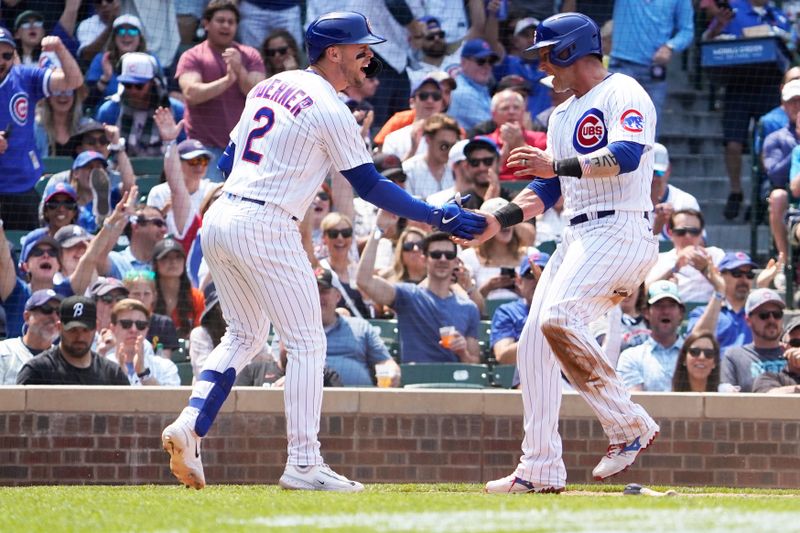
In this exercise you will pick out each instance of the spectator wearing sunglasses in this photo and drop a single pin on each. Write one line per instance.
(60, 207)
(666, 197)
(39, 332)
(698, 366)
(341, 259)
(176, 298)
(132, 110)
(433, 50)
(482, 172)
(426, 100)
(141, 286)
(687, 263)
(29, 32)
(786, 381)
(471, 102)
(726, 312)
(130, 321)
(744, 363)
(147, 227)
(102, 76)
(650, 366)
(508, 113)
(429, 172)
(21, 87)
(425, 307)
(280, 52)
(72, 361)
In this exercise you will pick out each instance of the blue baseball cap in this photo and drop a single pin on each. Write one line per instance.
(84, 158)
(60, 187)
(733, 260)
(34, 239)
(427, 79)
(481, 141)
(7, 37)
(41, 297)
(538, 258)
(477, 48)
(431, 23)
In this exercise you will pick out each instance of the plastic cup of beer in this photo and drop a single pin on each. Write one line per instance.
(447, 334)
(384, 375)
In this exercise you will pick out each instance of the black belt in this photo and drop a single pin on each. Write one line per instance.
(580, 219)
(251, 200)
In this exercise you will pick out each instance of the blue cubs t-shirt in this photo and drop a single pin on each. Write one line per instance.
(420, 314)
(23, 86)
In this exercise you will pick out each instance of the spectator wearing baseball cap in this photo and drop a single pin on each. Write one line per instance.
(742, 364)
(59, 206)
(509, 318)
(426, 100)
(725, 314)
(29, 31)
(132, 110)
(72, 361)
(176, 297)
(457, 162)
(481, 171)
(105, 292)
(39, 332)
(650, 366)
(73, 241)
(787, 380)
(470, 103)
(666, 198)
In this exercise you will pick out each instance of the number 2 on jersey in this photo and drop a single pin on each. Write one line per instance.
(250, 155)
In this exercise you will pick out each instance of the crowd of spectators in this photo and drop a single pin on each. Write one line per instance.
(106, 283)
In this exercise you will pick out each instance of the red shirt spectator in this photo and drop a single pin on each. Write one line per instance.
(508, 109)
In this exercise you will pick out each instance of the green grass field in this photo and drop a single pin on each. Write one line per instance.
(442, 507)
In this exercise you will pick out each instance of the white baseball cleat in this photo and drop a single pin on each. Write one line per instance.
(183, 446)
(620, 456)
(516, 485)
(316, 477)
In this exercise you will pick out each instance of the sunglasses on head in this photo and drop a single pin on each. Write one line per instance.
(334, 233)
(133, 32)
(476, 161)
(481, 61)
(749, 274)
(95, 140)
(111, 298)
(198, 162)
(409, 246)
(322, 195)
(32, 24)
(434, 95)
(681, 232)
(157, 222)
(141, 325)
(137, 86)
(55, 204)
(708, 353)
(271, 52)
(45, 310)
(39, 252)
(7, 56)
(432, 36)
(776, 315)
(438, 254)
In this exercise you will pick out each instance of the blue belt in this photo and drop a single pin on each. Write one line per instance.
(580, 219)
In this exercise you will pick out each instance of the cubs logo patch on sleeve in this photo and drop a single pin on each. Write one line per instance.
(632, 121)
(591, 132)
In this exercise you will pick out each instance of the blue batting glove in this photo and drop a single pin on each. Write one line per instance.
(453, 219)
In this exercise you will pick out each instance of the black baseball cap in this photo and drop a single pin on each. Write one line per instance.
(78, 311)
(324, 277)
(165, 246)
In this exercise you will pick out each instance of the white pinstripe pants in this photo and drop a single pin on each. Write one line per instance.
(263, 276)
(577, 286)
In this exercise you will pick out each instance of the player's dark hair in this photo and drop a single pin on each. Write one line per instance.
(690, 212)
(680, 379)
(221, 5)
(436, 236)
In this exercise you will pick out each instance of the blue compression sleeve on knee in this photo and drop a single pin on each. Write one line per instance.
(628, 155)
(548, 190)
(376, 189)
(210, 406)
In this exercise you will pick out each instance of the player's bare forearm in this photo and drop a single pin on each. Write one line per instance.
(599, 164)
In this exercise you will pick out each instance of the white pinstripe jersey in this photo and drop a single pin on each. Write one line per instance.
(617, 109)
(293, 129)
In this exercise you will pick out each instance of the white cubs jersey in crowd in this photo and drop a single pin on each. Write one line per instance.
(617, 109)
(293, 129)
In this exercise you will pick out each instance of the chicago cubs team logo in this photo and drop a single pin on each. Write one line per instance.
(632, 121)
(18, 108)
(590, 133)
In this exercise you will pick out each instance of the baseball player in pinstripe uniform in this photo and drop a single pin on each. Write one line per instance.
(292, 131)
(598, 146)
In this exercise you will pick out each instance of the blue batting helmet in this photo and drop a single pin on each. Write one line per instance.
(339, 27)
(572, 36)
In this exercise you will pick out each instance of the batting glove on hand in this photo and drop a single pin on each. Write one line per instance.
(453, 219)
